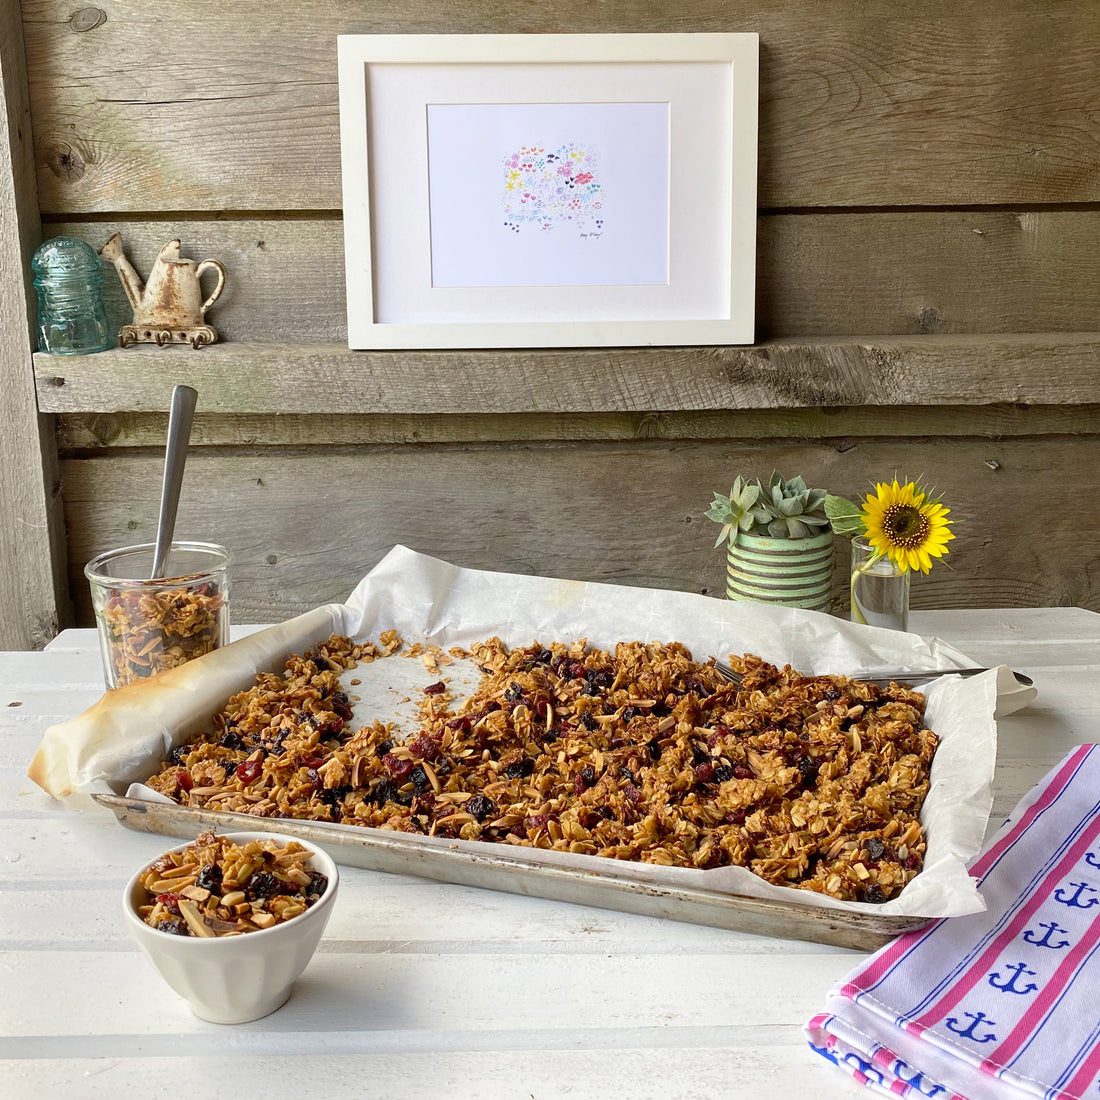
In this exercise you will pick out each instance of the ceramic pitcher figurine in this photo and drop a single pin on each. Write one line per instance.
(169, 308)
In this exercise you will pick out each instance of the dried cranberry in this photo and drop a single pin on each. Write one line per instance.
(723, 773)
(314, 778)
(311, 761)
(384, 749)
(741, 772)
(332, 726)
(437, 688)
(173, 926)
(578, 784)
(632, 792)
(184, 780)
(424, 747)
(577, 670)
(480, 807)
(540, 706)
(248, 770)
(398, 768)
(736, 817)
(171, 902)
(912, 862)
(263, 884)
(654, 747)
(209, 877)
(462, 722)
(875, 848)
(538, 821)
(704, 773)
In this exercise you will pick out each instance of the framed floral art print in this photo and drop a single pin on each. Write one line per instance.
(549, 190)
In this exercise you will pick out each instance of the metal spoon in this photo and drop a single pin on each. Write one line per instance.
(184, 399)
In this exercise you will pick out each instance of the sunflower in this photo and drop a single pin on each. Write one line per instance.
(906, 525)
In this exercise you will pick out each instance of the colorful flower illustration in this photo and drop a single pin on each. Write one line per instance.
(548, 191)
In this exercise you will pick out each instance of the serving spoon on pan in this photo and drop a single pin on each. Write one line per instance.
(180, 418)
(904, 678)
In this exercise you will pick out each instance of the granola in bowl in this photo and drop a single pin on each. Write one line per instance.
(640, 753)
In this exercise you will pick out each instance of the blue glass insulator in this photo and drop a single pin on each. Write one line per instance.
(71, 317)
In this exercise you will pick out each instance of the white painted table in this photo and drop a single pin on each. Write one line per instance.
(421, 989)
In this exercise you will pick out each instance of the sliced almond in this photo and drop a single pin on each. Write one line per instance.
(190, 913)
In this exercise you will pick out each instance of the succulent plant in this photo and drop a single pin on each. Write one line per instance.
(793, 511)
(735, 512)
(783, 510)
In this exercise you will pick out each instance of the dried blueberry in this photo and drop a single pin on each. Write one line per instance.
(481, 807)
(544, 656)
(384, 748)
(832, 695)
(588, 721)
(341, 705)
(173, 926)
(698, 755)
(231, 740)
(808, 768)
(209, 877)
(514, 692)
(607, 813)
(263, 884)
(384, 792)
(654, 747)
(875, 848)
(520, 769)
(419, 779)
(722, 773)
(178, 753)
(318, 884)
(588, 774)
(874, 894)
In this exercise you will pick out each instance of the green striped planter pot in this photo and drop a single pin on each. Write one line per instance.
(794, 572)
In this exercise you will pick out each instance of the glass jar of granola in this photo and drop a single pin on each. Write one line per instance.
(146, 626)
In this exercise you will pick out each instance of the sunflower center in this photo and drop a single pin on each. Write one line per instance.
(904, 525)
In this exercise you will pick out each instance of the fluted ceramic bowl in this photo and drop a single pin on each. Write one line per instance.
(234, 979)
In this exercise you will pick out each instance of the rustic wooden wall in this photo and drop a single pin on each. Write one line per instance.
(927, 303)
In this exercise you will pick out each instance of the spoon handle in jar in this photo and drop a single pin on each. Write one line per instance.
(184, 399)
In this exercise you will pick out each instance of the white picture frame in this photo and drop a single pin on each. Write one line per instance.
(426, 126)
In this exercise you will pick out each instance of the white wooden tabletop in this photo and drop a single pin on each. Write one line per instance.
(421, 989)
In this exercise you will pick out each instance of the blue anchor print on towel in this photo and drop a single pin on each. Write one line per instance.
(917, 1081)
(1074, 900)
(1051, 928)
(1009, 986)
(1092, 861)
(970, 1031)
(868, 1069)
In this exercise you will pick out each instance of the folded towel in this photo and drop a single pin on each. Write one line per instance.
(999, 1004)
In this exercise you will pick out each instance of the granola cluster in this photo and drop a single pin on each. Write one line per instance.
(150, 628)
(814, 782)
(215, 887)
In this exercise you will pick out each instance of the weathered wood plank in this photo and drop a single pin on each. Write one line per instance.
(1038, 369)
(81, 432)
(305, 525)
(32, 548)
(930, 103)
(817, 274)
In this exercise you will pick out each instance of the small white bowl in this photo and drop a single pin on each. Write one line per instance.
(234, 979)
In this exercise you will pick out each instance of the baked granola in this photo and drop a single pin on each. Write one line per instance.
(813, 782)
(150, 628)
(216, 887)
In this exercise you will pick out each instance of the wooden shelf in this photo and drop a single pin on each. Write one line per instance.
(1030, 368)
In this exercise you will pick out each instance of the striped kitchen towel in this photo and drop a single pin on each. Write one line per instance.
(999, 1004)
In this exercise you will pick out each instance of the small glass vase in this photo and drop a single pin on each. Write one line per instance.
(880, 591)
